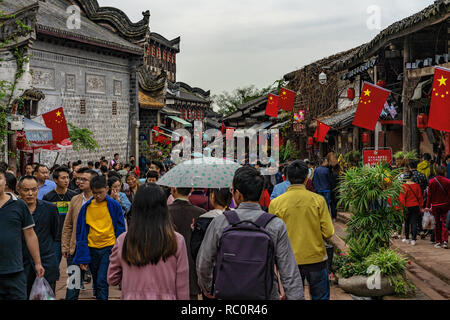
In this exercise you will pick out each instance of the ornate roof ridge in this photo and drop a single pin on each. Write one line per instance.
(149, 82)
(174, 43)
(117, 19)
(193, 89)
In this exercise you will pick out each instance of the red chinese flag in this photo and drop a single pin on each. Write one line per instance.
(222, 128)
(272, 105)
(321, 131)
(287, 98)
(371, 103)
(56, 121)
(439, 117)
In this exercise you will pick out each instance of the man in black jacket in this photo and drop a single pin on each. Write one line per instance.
(45, 216)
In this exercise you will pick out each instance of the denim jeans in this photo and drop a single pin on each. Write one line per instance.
(318, 281)
(72, 294)
(99, 269)
(326, 195)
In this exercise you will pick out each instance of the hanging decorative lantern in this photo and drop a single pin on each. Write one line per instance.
(365, 138)
(350, 93)
(310, 141)
(381, 83)
(422, 121)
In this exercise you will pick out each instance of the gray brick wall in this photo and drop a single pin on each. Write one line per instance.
(94, 75)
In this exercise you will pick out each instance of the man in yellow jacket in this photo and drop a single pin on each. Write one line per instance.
(308, 223)
(425, 166)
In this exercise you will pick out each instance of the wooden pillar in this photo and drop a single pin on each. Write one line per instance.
(406, 139)
(355, 138)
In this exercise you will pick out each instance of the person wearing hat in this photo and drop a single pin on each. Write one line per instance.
(411, 198)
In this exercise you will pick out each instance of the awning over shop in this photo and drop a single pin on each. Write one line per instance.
(338, 120)
(35, 132)
(260, 126)
(279, 125)
(183, 122)
(169, 111)
(147, 102)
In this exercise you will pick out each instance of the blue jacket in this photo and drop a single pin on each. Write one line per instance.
(279, 189)
(82, 253)
(322, 179)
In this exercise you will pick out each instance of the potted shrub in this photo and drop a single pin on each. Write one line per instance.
(371, 195)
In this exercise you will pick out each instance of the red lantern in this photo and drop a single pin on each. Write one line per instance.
(381, 83)
(350, 93)
(310, 141)
(365, 138)
(422, 121)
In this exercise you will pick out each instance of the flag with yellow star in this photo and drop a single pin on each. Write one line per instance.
(371, 103)
(439, 117)
(56, 121)
(287, 99)
(272, 105)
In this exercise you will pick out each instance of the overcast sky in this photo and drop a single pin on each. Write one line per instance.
(226, 44)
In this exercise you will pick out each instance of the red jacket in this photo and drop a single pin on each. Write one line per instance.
(436, 196)
(265, 199)
(411, 195)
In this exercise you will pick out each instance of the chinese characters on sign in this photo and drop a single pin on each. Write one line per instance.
(377, 156)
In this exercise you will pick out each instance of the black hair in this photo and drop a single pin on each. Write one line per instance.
(152, 174)
(427, 156)
(184, 191)
(97, 165)
(3, 171)
(127, 165)
(413, 163)
(79, 162)
(115, 154)
(249, 182)
(111, 181)
(90, 163)
(37, 167)
(11, 181)
(158, 164)
(112, 173)
(297, 172)
(104, 169)
(222, 196)
(87, 170)
(151, 235)
(98, 182)
(58, 171)
(27, 178)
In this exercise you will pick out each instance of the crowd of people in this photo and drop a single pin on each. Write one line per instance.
(120, 228)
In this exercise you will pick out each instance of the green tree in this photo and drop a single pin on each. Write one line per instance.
(227, 102)
(82, 138)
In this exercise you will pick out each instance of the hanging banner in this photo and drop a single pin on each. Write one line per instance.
(372, 157)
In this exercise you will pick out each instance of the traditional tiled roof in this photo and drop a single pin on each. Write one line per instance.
(438, 11)
(52, 17)
(183, 91)
(174, 43)
(337, 119)
(147, 102)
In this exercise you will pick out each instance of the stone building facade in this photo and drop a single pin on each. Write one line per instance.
(90, 71)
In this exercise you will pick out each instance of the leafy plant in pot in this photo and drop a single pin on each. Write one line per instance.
(371, 195)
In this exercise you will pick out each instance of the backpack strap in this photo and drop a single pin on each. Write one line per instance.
(264, 219)
(232, 217)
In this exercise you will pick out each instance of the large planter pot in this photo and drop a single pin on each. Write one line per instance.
(357, 285)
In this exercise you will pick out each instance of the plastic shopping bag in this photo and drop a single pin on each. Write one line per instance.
(41, 290)
(428, 221)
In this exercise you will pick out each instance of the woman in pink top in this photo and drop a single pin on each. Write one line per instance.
(150, 260)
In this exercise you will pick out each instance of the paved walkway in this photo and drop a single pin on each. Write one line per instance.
(429, 267)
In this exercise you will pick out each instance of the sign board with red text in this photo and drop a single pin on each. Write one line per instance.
(372, 156)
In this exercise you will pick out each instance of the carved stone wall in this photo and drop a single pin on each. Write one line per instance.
(67, 76)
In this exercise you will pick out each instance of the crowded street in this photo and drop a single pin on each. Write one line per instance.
(238, 158)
